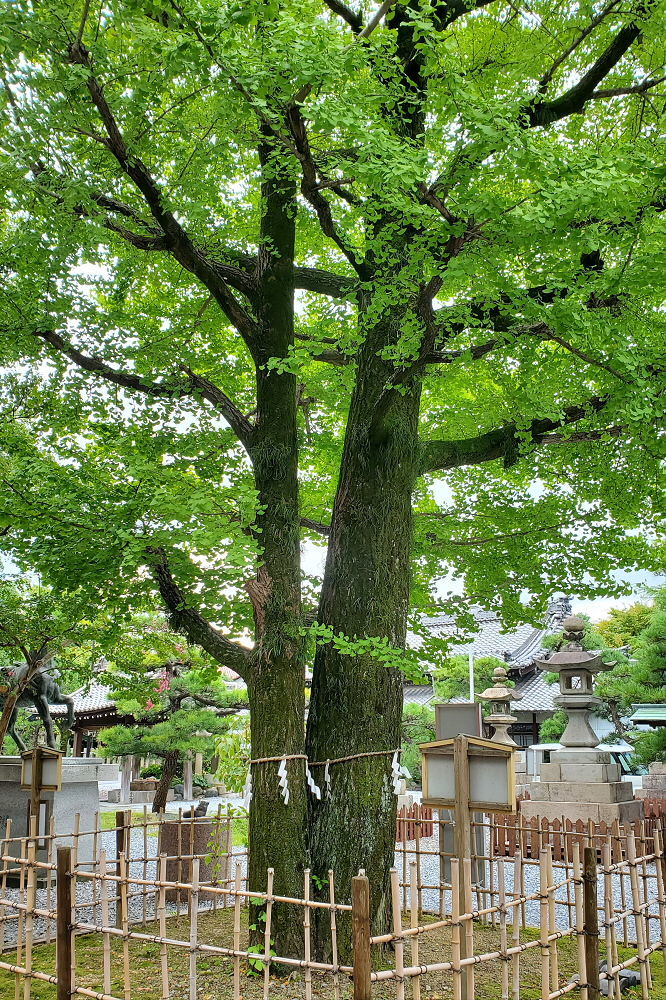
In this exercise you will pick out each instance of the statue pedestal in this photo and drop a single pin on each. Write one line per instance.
(79, 794)
(582, 784)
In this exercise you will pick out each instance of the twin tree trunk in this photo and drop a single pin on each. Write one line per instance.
(356, 702)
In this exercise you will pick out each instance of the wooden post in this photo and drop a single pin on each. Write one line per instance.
(63, 928)
(591, 921)
(123, 833)
(36, 785)
(126, 779)
(462, 834)
(361, 937)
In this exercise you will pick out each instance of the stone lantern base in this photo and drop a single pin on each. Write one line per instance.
(582, 784)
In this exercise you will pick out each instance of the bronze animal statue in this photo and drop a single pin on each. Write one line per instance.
(42, 690)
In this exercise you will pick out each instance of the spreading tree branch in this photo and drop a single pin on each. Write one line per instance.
(502, 442)
(177, 239)
(192, 385)
(186, 619)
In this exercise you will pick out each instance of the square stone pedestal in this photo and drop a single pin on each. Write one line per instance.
(79, 794)
(581, 784)
(654, 783)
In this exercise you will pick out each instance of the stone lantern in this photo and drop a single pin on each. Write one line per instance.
(500, 696)
(580, 781)
(576, 668)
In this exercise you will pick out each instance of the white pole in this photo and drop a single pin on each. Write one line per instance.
(471, 676)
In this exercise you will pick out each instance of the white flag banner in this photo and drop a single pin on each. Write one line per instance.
(314, 788)
(283, 781)
(396, 773)
(247, 791)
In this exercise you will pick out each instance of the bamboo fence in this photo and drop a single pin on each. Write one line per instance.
(569, 906)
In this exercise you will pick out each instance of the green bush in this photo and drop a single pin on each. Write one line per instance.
(418, 726)
(153, 771)
(551, 729)
(650, 747)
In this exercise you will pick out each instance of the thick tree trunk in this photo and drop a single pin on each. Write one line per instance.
(356, 702)
(169, 768)
(276, 686)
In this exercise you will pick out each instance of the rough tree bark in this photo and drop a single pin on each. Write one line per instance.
(356, 703)
(169, 768)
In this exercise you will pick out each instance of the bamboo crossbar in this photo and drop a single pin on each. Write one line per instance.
(550, 891)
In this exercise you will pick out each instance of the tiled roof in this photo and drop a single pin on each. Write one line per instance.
(518, 647)
(649, 713)
(93, 697)
(96, 697)
(537, 694)
(417, 694)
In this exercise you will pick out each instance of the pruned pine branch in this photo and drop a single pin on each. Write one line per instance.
(185, 618)
(502, 442)
(177, 240)
(191, 385)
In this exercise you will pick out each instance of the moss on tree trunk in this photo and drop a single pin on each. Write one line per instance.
(356, 702)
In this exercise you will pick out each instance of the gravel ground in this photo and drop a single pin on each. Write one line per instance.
(140, 907)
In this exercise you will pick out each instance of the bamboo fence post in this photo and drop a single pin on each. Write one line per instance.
(609, 925)
(64, 977)
(552, 923)
(501, 890)
(334, 936)
(144, 888)
(161, 910)
(124, 924)
(405, 823)
(179, 868)
(543, 924)
(121, 849)
(4, 845)
(515, 926)
(307, 954)
(50, 842)
(419, 899)
(398, 940)
(414, 923)
(491, 880)
(94, 890)
(194, 926)
(455, 929)
(440, 851)
(591, 921)
(361, 937)
(106, 937)
(76, 835)
(20, 919)
(580, 920)
(623, 891)
(267, 931)
(644, 878)
(643, 961)
(523, 908)
(660, 869)
(237, 929)
(31, 895)
(469, 926)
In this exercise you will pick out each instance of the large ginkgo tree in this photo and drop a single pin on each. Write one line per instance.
(387, 277)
